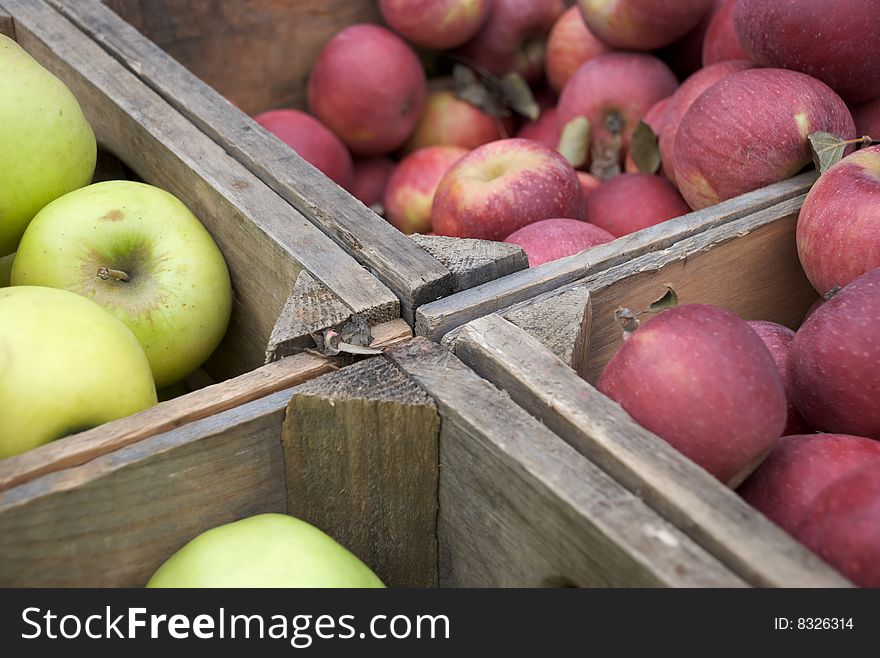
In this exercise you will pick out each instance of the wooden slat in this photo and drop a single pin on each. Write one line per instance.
(360, 452)
(520, 507)
(473, 262)
(598, 428)
(7, 26)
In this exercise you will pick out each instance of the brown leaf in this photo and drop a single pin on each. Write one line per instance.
(644, 149)
(605, 158)
(518, 96)
(574, 142)
(471, 89)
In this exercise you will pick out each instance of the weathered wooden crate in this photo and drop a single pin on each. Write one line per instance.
(548, 352)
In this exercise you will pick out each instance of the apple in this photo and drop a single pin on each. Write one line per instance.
(642, 24)
(370, 179)
(799, 468)
(843, 527)
(614, 92)
(569, 45)
(655, 117)
(313, 141)
(778, 340)
(700, 378)
(589, 184)
(501, 187)
(6, 269)
(450, 121)
(545, 130)
(721, 43)
(410, 190)
(750, 130)
(436, 25)
(683, 98)
(66, 365)
(266, 550)
(513, 39)
(834, 41)
(555, 238)
(630, 202)
(47, 147)
(685, 56)
(140, 253)
(834, 381)
(867, 117)
(369, 88)
(838, 228)
(813, 308)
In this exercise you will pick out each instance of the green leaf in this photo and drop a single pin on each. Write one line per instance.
(574, 142)
(518, 96)
(667, 301)
(827, 150)
(644, 149)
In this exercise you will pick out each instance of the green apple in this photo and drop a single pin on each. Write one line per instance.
(6, 269)
(66, 365)
(140, 253)
(268, 550)
(47, 147)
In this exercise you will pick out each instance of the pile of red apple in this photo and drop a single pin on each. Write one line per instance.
(758, 77)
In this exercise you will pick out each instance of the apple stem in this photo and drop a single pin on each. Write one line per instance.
(106, 273)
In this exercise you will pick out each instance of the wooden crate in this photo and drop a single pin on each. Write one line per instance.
(547, 354)
(280, 264)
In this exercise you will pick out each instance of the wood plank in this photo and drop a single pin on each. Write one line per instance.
(713, 515)
(520, 507)
(410, 272)
(436, 319)
(360, 453)
(203, 403)
(473, 262)
(7, 26)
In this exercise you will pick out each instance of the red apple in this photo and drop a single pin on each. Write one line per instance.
(656, 120)
(721, 43)
(778, 340)
(544, 130)
(614, 92)
(631, 202)
(438, 24)
(589, 184)
(642, 24)
(514, 37)
(450, 121)
(552, 239)
(410, 190)
(838, 228)
(370, 178)
(313, 141)
(832, 40)
(843, 527)
(369, 88)
(685, 56)
(700, 378)
(505, 185)
(750, 130)
(834, 378)
(867, 118)
(683, 98)
(569, 45)
(799, 468)
(813, 308)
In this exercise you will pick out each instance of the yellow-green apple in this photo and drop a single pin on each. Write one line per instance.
(832, 40)
(513, 39)
(555, 238)
(502, 186)
(778, 340)
(843, 526)
(6, 269)
(569, 45)
(867, 117)
(721, 43)
(700, 378)
(614, 92)
(642, 24)
(437, 24)
(630, 202)
(799, 468)
(750, 130)
(66, 365)
(370, 178)
(47, 147)
(683, 98)
(545, 130)
(655, 117)
(369, 88)
(313, 141)
(410, 190)
(267, 550)
(838, 228)
(685, 55)
(834, 379)
(450, 121)
(140, 253)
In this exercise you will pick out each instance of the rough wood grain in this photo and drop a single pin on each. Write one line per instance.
(203, 403)
(435, 319)
(7, 26)
(713, 515)
(520, 507)
(360, 452)
(410, 272)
